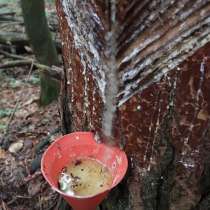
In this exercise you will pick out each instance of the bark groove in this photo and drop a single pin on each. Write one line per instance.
(162, 118)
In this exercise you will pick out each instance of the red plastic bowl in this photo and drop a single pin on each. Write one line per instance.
(82, 145)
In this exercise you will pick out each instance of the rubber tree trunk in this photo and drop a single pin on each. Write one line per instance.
(43, 47)
(161, 60)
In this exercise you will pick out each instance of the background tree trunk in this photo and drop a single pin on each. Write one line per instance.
(38, 32)
(43, 47)
(163, 101)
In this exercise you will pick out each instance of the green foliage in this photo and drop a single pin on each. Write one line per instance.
(5, 112)
(50, 1)
(14, 83)
(34, 80)
(2, 127)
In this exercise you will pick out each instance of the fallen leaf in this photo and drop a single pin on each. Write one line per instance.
(15, 147)
(2, 154)
(34, 187)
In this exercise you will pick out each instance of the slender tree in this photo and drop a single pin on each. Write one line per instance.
(43, 47)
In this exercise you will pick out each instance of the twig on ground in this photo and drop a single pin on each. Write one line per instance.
(4, 206)
(3, 5)
(16, 198)
(15, 63)
(7, 19)
(13, 38)
(54, 71)
(11, 118)
(10, 55)
(33, 176)
(6, 24)
(17, 103)
(20, 39)
(23, 197)
(7, 13)
(11, 201)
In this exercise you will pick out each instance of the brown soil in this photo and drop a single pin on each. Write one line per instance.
(22, 186)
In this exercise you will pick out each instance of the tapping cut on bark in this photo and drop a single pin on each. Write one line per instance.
(160, 46)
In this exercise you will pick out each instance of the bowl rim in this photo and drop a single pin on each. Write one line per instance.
(77, 196)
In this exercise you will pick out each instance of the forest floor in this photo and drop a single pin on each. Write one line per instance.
(24, 126)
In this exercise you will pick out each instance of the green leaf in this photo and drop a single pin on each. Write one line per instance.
(2, 127)
(34, 80)
(5, 112)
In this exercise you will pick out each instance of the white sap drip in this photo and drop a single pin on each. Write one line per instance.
(110, 68)
(102, 68)
(84, 42)
(151, 126)
(186, 148)
(86, 101)
(157, 125)
(71, 82)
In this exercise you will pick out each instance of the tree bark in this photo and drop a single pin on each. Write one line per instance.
(161, 58)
